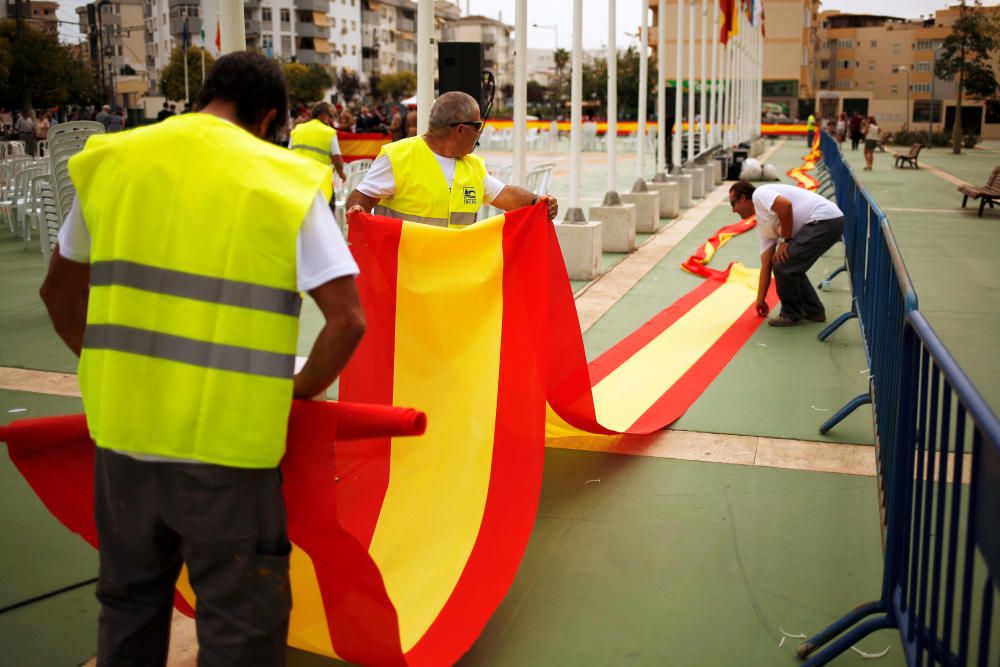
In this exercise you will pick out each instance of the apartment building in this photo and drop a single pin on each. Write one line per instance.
(116, 32)
(345, 34)
(388, 37)
(39, 14)
(789, 44)
(884, 66)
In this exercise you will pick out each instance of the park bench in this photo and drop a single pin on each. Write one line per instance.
(910, 158)
(987, 194)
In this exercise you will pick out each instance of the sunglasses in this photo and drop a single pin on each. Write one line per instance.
(471, 123)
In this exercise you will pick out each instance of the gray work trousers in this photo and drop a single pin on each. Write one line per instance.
(226, 524)
(798, 298)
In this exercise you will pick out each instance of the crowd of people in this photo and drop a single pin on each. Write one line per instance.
(860, 128)
(395, 120)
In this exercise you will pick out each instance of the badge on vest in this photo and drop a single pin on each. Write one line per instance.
(470, 195)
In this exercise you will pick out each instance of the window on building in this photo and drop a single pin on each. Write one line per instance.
(871, 64)
(286, 43)
(922, 109)
(333, 21)
(845, 43)
(354, 50)
(265, 14)
(826, 44)
(844, 64)
(267, 41)
(921, 87)
(874, 44)
(894, 89)
(895, 69)
(354, 25)
(923, 45)
(824, 64)
(923, 66)
(286, 15)
(844, 84)
(895, 48)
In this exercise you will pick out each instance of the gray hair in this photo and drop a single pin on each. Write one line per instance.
(452, 107)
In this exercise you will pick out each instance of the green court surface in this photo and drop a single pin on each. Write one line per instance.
(661, 562)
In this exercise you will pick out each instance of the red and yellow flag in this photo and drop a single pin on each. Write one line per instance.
(404, 547)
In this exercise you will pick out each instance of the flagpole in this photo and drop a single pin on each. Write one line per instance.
(184, 48)
(662, 129)
(640, 146)
(690, 83)
(702, 134)
(675, 148)
(713, 96)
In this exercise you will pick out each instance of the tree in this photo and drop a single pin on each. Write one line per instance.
(36, 70)
(172, 76)
(560, 59)
(397, 86)
(536, 92)
(306, 83)
(628, 84)
(348, 83)
(966, 53)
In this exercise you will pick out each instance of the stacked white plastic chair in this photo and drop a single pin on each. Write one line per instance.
(65, 141)
(538, 179)
(355, 172)
(501, 172)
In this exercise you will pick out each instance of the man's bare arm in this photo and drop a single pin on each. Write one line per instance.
(65, 292)
(764, 282)
(338, 165)
(340, 335)
(359, 202)
(513, 197)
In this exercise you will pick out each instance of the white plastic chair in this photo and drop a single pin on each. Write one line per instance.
(41, 148)
(590, 140)
(66, 140)
(537, 180)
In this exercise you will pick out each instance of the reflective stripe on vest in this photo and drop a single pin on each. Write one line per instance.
(421, 191)
(312, 140)
(193, 286)
(192, 321)
(188, 350)
(458, 219)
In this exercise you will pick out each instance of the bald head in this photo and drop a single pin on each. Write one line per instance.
(452, 107)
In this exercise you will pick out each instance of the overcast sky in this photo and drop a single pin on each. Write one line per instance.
(595, 17)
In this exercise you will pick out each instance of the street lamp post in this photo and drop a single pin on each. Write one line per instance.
(930, 111)
(906, 111)
(555, 29)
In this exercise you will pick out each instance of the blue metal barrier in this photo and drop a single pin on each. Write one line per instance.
(881, 290)
(938, 464)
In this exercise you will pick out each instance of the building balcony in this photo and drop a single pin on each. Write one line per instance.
(406, 25)
(489, 37)
(177, 27)
(251, 4)
(312, 30)
(368, 40)
(313, 5)
(252, 27)
(369, 18)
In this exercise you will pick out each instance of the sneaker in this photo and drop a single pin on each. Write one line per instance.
(818, 317)
(782, 321)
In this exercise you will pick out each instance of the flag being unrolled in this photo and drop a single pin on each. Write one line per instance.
(404, 548)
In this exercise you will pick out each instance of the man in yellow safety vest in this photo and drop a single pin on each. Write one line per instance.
(317, 139)
(177, 281)
(435, 178)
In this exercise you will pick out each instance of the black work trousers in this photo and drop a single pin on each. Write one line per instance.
(226, 524)
(798, 298)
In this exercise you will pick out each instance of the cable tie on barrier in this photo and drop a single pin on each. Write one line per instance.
(870, 656)
(819, 409)
(591, 481)
(782, 642)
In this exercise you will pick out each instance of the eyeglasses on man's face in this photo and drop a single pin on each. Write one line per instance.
(471, 123)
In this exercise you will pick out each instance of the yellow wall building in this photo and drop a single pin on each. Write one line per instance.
(884, 66)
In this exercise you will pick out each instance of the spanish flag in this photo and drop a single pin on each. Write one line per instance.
(403, 547)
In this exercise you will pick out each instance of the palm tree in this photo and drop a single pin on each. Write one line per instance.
(561, 60)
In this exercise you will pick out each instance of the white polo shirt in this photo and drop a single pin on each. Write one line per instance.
(807, 207)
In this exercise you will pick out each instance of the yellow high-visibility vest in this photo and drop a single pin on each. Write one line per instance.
(312, 140)
(422, 194)
(192, 319)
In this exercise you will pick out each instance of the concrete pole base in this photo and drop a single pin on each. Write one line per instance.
(647, 209)
(618, 229)
(670, 197)
(684, 185)
(697, 181)
(581, 248)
